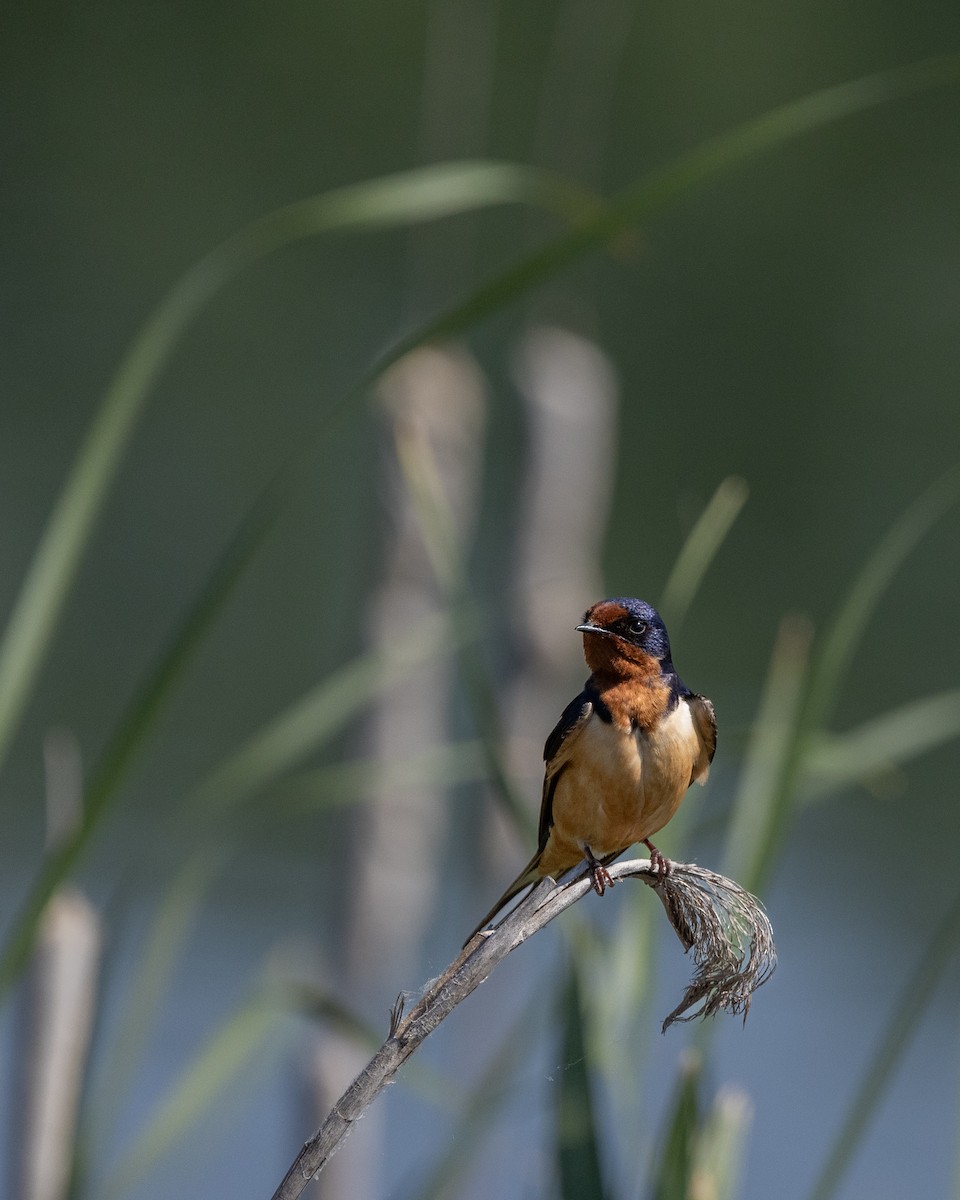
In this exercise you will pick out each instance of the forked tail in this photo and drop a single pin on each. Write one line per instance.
(529, 874)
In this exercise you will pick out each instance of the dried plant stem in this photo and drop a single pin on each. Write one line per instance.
(725, 926)
(59, 1010)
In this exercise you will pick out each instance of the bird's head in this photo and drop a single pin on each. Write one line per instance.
(625, 629)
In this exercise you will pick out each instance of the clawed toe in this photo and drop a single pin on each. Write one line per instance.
(602, 879)
(662, 866)
(599, 875)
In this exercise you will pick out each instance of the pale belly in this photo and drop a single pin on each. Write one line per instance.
(619, 787)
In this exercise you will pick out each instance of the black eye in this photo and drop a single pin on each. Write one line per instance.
(638, 628)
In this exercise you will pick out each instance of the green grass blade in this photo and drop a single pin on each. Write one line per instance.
(836, 761)
(720, 1146)
(195, 1092)
(161, 949)
(617, 1015)
(616, 1010)
(295, 733)
(485, 710)
(435, 516)
(760, 806)
(48, 580)
(313, 1002)
(317, 716)
(350, 782)
(438, 531)
(889, 1050)
(578, 1143)
(44, 590)
(303, 728)
(637, 203)
(627, 960)
(843, 636)
(414, 196)
(138, 719)
(700, 549)
(673, 1172)
(408, 198)
(763, 829)
(656, 192)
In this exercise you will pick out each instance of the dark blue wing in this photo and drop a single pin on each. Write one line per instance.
(572, 716)
(572, 720)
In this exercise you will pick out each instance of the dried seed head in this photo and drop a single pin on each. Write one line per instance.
(730, 935)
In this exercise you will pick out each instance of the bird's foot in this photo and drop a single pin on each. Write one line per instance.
(662, 866)
(600, 876)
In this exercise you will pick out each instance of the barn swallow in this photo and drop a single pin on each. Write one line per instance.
(622, 754)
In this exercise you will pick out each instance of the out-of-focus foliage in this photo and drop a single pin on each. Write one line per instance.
(768, 253)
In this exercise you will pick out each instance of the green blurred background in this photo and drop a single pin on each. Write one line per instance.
(793, 322)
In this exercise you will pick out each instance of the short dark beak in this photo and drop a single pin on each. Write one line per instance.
(593, 629)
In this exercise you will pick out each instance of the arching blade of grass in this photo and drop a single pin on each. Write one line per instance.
(760, 804)
(298, 731)
(700, 549)
(136, 722)
(162, 946)
(654, 193)
(268, 754)
(702, 1150)
(844, 633)
(415, 196)
(302, 728)
(577, 1139)
(837, 647)
(49, 578)
(443, 766)
(616, 972)
(315, 717)
(487, 717)
(195, 1092)
(409, 198)
(615, 1013)
(782, 753)
(836, 761)
(785, 748)
(313, 1002)
(672, 1175)
(889, 1050)
(720, 1146)
(438, 531)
